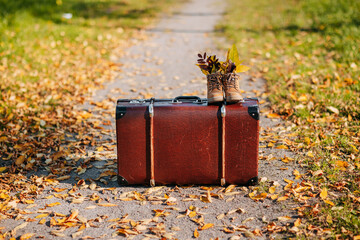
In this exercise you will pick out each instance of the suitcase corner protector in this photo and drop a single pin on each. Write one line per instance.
(121, 180)
(120, 112)
(254, 112)
(253, 181)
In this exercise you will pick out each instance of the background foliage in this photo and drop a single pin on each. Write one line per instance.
(309, 53)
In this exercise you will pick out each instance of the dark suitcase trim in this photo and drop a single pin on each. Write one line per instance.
(252, 182)
(120, 112)
(121, 180)
(254, 112)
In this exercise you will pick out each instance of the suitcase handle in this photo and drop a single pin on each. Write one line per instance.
(188, 99)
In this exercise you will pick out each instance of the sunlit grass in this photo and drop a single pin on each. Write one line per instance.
(309, 53)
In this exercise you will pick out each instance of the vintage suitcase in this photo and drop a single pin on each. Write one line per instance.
(186, 141)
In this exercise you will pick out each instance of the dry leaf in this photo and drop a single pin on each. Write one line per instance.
(230, 188)
(27, 236)
(76, 234)
(237, 237)
(53, 204)
(284, 218)
(13, 232)
(91, 207)
(333, 109)
(206, 226)
(107, 204)
(57, 233)
(196, 233)
(42, 221)
(323, 193)
(73, 215)
(283, 198)
(273, 115)
(329, 202)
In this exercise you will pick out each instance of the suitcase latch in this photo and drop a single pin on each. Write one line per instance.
(223, 111)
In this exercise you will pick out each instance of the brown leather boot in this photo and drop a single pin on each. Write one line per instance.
(231, 86)
(215, 89)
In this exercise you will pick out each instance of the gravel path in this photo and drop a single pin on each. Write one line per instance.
(162, 65)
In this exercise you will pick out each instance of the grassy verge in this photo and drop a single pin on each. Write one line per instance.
(52, 53)
(309, 53)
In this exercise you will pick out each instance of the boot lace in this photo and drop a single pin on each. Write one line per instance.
(214, 83)
(231, 81)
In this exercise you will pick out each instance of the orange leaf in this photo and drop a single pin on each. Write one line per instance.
(273, 115)
(27, 236)
(59, 189)
(206, 226)
(42, 221)
(329, 202)
(283, 198)
(196, 233)
(297, 222)
(192, 214)
(20, 160)
(260, 196)
(53, 204)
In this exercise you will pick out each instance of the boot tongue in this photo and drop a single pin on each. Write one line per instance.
(214, 83)
(231, 81)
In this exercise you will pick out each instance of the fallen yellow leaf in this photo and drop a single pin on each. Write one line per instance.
(230, 188)
(53, 204)
(192, 214)
(297, 222)
(357, 237)
(196, 233)
(272, 189)
(329, 202)
(323, 193)
(206, 226)
(257, 197)
(27, 236)
(310, 154)
(42, 215)
(59, 189)
(283, 198)
(42, 221)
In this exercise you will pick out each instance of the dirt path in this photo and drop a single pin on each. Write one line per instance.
(162, 65)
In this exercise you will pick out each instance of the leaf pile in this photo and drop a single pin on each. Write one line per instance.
(176, 204)
(49, 69)
(308, 53)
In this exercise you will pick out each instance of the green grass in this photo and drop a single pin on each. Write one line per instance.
(309, 53)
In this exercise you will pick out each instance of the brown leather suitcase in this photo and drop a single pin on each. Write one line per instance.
(186, 141)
